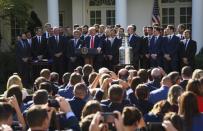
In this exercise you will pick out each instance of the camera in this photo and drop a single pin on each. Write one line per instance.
(53, 103)
(109, 117)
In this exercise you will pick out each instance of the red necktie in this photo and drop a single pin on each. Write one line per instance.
(92, 42)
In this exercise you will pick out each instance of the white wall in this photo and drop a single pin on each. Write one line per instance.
(66, 7)
(78, 12)
(139, 13)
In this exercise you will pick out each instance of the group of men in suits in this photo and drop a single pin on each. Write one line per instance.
(153, 49)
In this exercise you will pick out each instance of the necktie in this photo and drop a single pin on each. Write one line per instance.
(57, 39)
(75, 42)
(92, 42)
(155, 40)
(186, 43)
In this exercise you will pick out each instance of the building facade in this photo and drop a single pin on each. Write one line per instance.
(124, 12)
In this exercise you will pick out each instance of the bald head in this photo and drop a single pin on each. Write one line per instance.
(155, 73)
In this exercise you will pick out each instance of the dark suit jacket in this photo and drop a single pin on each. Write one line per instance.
(171, 46)
(155, 45)
(97, 42)
(113, 49)
(144, 49)
(189, 51)
(54, 47)
(39, 48)
(22, 50)
(70, 47)
(135, 43)
(77, 105)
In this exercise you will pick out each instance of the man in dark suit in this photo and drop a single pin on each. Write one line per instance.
(134, 42)
(39, 46)
(56, 50)
(155, 48)
(144, 50)
(181, 28)
(47, 27)
(111, 49)
(93, 41)
(170, 50)
(189, 48)
(74, 60)
(22, 58)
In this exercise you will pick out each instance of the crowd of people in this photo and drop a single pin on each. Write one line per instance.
(87, 100)
(157, 47)
(160, 91)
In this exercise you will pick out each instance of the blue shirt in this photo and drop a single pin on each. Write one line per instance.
(67, 92)
(158, 94)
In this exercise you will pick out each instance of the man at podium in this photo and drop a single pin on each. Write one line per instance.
(92, 42)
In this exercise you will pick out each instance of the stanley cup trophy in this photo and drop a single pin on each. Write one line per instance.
(125, 52)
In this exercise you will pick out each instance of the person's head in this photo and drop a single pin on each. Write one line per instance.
(166, 32)
(14, 79)
(40, 97)
(54, 77)
(103, 70)
(56, 31)
(175, 119)
(130, 30)
(175, 77)
(181, 28)
(101, 28)
(85, 29)
(171, 29)
(91, 107)
(46, 86)
(129, 67)
(75, 78)
(87, 70)
(80, 90)
(66, 78)
(135, 82)
(107, 32)
(123, 74)
(28, 35)
(113, 32)
(161, 108)
(78, 70)
(197, 74)
(150, 30)
(92, 31)
(76, 34)
(38, 81)
(61, 30)
(188, 107)
(103, 77)
(15, 90)
(47, 26)
(45, 73)
(144, 29)
(39, 31)
(142, 92)
(23, 36)
(96, 28)
(86, 121)
(194, 86)
(115, 93)
(186, 72)
(143, 74)
(131, 116)
(91, 78)
(174, 92)
(34, 121)
(187, 34)
(166, 81)
(6, 113)
(69, 31)
(157, 31)
(75, 26)
(156, 74)
(121, 31)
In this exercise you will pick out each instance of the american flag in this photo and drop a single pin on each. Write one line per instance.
(155, 13)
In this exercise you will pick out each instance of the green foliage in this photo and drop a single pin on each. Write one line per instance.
(14, 8)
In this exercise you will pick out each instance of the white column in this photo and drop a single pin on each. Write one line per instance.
(78, 11)
(197, 23)
(53, 12)
(121, 13)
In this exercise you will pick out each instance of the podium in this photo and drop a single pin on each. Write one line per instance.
(87, 53)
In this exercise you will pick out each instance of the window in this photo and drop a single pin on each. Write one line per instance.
(101, 2)
(16, 28)
(168, 16)
(95, 17)
(173, 1)
(186, 16)
(110, 17)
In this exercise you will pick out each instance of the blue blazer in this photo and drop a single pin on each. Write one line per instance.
(135, 43)
(96, 41)
(155, 45)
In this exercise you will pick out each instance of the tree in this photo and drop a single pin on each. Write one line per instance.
(18, 9)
